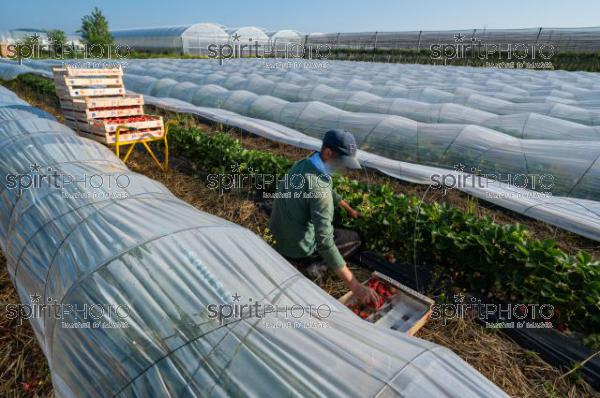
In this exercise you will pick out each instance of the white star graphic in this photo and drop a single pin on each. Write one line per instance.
(459, 167)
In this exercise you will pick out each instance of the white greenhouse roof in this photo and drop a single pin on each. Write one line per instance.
(285, 34)
(176, 30)
(11, 36)
(247, 32)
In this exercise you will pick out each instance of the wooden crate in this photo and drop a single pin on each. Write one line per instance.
(76, 110)
(78, 72)
(71, 82)
(102, 107)
(101, 113)
(89, 103)
(95, 104)
(104, 130)
(407, 310)
(73, 92)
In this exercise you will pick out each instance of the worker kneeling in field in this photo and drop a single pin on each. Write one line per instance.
(302, 215)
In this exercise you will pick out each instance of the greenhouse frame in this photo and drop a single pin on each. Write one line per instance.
(193, 39)
(183, 39)
(562, 39)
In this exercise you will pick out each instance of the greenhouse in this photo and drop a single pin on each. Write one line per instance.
(286, 36)
(15, 35)
(158, 262)
(183, 39)
(561, 39)
(249, 34)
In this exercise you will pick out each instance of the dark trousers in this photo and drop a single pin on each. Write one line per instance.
(346, 241)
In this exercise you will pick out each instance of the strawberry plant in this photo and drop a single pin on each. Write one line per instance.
(474, 253)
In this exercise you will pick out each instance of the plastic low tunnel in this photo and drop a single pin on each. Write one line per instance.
(160, 263)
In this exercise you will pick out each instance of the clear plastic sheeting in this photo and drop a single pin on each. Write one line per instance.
(186, 39)
(577, 215)
(137, 248)
(249, 40)
(286, 36)
(19, 35)
(400, 147)
(520, 123)
(563, 39)
(574, 165)
(10, 70)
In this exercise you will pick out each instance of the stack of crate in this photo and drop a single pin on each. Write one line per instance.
(95, 104)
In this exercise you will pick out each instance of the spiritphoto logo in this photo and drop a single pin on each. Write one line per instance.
(242, 177)
(529, 184)
(34, 49)
(257, 49)
(274, 316)
(71, 316)
(40, 177)
(496, 315)
(510, 54)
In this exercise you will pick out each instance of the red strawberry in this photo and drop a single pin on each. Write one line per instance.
(28, 387)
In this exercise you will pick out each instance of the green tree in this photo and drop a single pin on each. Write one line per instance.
(57, 39)
(94, 30)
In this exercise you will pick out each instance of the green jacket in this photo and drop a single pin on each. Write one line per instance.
(302, 215)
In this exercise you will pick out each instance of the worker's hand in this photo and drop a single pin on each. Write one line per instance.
(364, 294)
(345, 205)
(353, 213)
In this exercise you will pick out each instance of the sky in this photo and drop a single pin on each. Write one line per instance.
(307, 16)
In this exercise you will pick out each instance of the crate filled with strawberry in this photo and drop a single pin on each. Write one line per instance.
(130, 128)
(398, 307)
(139, 122)
(372, 311)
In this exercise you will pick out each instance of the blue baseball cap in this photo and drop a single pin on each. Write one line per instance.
(344, 144)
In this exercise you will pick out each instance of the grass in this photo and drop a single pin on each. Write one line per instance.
(23, 367)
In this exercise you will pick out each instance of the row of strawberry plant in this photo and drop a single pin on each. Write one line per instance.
(496, 260)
